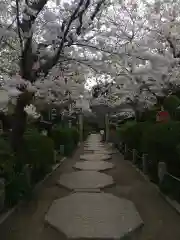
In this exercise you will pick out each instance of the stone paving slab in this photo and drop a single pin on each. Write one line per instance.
(102, 152)
(85, 180)
(95, 157)
(94, 215)
(93, 166)
(95, 149)
(96, 144)
(88, 190)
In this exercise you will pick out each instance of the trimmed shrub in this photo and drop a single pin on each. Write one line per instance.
(150, 114)
(16, 188)
(6, 160)
(170, 104)
(16, 185)
(121, 130)
(131, 133)
(68, 137)
(160, 141)
(38, 152)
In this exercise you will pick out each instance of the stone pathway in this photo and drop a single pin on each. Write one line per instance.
(95, 157)
(94, 166)
(85, 179)
(89, 213)
(95, 213)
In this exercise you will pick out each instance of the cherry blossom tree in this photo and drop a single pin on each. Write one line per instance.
(46, 34)
(139, 49)
(53, 47)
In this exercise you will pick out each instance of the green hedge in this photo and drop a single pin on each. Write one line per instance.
(170, 104)
(69, 137)
(37, 151)
(132, 132)
(161, 141)
(150, 114)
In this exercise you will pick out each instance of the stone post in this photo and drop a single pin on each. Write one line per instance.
(70, 124)
(134, 153)
(81, 126)
(44, 133)
(61, 149)
(125, 151)
(145, 163)
(1, 127)
(2, 193)
(162, 170)
(107, 127)
(49, 114)
(55, 156)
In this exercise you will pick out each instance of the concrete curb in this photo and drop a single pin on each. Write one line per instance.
(174, 204)
(7, 214)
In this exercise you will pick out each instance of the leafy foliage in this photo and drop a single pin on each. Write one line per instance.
(171, 104)
(65, 136)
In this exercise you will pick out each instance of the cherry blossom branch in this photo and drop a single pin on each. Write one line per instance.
(19, 25)
(81, 62)
(77, 14)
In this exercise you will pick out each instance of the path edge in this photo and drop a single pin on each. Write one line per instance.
(174, 204)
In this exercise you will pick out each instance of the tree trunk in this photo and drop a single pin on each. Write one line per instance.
(19, 121)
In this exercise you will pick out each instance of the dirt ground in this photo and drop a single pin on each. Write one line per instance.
(161, 222)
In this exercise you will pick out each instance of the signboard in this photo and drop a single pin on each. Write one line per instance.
(162, 116)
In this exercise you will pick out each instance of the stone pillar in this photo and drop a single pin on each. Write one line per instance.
(1, 127)
(145, 163)
(70, 124)
(125, 151)
(134, 153)
(49, 114)
(107, 127)
(162, 170)
(2, 193)
(55, 156)
(81, 126)
(44, 133)
(61, 149)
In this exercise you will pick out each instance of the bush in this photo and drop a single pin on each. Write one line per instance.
(160, 141)
(6, 160)
(16, 188)
(38, 152)
(16, 185)
(150, 114)
(131, 133)
(170, 104)
(68, 137)
(121, 130)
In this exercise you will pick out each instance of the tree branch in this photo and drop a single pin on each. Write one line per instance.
(19, 26)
